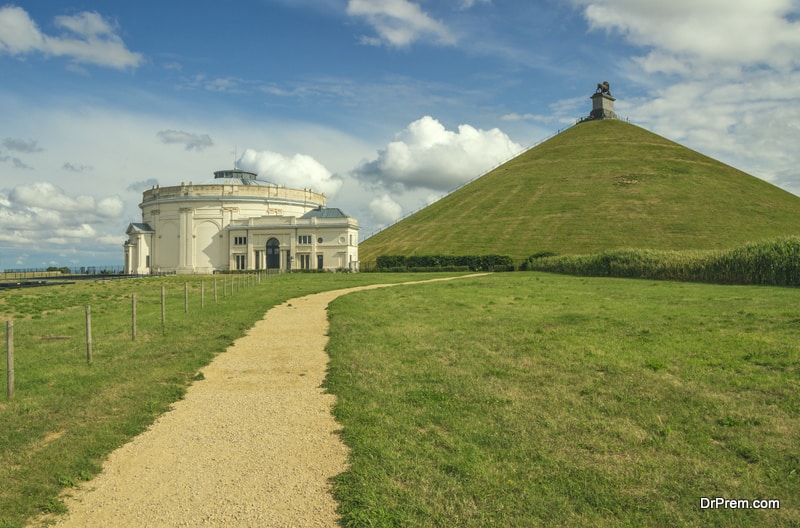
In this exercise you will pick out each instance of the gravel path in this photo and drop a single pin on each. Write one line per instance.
(253, 444)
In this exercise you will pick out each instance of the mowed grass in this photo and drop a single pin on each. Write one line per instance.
(542, 400)
(67, 416)
(596, 186)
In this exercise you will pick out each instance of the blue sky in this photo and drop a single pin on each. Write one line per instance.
(384, 105)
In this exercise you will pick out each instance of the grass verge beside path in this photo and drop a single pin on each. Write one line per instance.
(67, 416)
(545, 400)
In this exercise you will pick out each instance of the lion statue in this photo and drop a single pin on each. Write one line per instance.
(603, 88)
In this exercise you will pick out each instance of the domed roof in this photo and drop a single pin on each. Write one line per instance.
(236, 177)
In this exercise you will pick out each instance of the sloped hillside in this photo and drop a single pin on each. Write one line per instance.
(598, 185)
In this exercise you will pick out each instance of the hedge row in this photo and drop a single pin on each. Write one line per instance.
(774, 262)
(444, 263)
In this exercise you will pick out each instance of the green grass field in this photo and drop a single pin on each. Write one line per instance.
(67, 415)
(516, 399)
(531, 399)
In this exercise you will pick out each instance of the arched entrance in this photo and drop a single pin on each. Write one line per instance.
(273, 254)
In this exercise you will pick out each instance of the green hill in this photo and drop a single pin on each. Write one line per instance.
(598, 185)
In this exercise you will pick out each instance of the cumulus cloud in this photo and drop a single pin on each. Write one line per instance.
(682, 33)
(384, 209)
(47, 196)
(188, 140)
(399, 23)
(298, 171)
(722, 76)
(426, 155)
(38, 213)
(86, 38)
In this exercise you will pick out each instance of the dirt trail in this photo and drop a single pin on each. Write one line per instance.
(253, 444)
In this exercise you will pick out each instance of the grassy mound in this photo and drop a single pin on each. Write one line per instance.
(596, 186)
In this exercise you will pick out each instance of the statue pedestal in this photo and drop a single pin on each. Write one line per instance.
(603, 106)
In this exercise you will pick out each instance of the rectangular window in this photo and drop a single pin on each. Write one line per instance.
(241, 261)
(319, 260)
(240, 241)
(259, 258)
(305, 261)
(304, 239)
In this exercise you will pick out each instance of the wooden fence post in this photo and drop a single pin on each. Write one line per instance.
(185, 297)
(133, 317)
(88, 334)
(163, 310)
(10, 357)
(202, 294)
(215, 289)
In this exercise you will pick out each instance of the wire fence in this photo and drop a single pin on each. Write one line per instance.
(46, 340)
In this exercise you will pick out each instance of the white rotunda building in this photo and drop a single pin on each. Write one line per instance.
(236, 222)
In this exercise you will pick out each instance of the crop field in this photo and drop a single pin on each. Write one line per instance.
(514, 399)
(530, 399)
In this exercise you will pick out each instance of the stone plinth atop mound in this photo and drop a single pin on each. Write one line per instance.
(603, 106)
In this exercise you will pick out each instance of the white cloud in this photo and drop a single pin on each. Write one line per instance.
(299, 171)
(399, 23)
(188, 140)
(110, 207)
(41, 213)
(722, 77)
(48, 196)
(702, 34)
(88, 38)
(384, 209)
(426, 155)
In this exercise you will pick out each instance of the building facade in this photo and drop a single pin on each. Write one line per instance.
(236, 222)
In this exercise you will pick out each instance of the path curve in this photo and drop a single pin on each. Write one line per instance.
(253, 444)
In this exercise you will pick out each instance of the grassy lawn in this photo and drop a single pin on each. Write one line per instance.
(67, 415)
(529, 399)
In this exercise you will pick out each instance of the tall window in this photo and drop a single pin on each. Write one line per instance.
(241, 261)
(305, 260)
(320, 260)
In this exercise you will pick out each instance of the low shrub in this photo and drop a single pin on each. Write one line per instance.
(444, 263)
